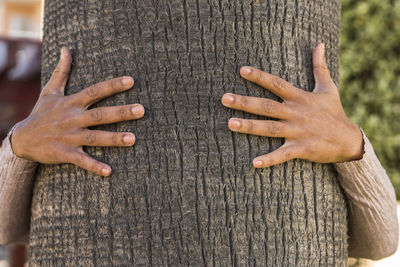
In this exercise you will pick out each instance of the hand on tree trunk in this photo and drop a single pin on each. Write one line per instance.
(314, 125)
(56, 130)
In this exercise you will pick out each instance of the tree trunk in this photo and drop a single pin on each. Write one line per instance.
(186, 193)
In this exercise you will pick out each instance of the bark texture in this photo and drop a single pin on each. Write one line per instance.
(186, 193)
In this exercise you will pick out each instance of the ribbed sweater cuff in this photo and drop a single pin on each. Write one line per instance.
(361, 178)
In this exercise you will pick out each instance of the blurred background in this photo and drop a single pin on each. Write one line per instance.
(370, 80)
(20, 60)
(370, 83)
(370, 75)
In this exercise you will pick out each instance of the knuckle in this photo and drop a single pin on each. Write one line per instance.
(96, 115)
(90, 137)
(115, 84)
(249, 126)
(321, 67)
(59, 70)
(270, 108)
(259, 76)
(122, 112)
(242, 101)
(117, 139)
(287, 155)
(274, 127)
(278, 83)
(93, 91)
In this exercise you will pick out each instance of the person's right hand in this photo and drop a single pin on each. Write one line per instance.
(56, 130)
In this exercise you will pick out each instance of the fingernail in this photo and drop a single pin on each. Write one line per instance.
(258, 163)
(323, 47)
(127, 81)
(137, 110)
(234, 124)
(245, 70)
(228, 99)
(106, 171)
(62, 52)
(129, 139)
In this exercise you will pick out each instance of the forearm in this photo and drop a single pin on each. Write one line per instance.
(16, 183)
(373, 224)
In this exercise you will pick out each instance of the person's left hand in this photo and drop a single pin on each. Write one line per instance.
(314, 125)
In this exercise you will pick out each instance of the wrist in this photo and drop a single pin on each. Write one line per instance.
(356, 146)
(15, 140)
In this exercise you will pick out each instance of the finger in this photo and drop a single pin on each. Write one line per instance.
(256, 105)
(83, 160)
(259, 127)
(96, 92)
(323, 80)
(276, 85)
(281, 155)
(104, 138)
(59, 78)
(107, 115)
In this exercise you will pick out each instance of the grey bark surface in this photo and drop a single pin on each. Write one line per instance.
(186, 193)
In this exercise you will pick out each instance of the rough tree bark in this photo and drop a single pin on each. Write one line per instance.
(186, 193)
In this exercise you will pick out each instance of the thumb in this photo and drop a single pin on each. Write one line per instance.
(323, 80)
(59, 78)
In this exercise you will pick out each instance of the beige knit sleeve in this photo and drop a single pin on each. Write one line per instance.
(16, 183)
(373, 223)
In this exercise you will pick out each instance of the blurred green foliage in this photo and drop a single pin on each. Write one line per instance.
(370, 75)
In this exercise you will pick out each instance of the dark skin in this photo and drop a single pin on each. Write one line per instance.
(314, 125)
(57, 129)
